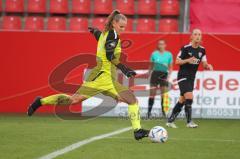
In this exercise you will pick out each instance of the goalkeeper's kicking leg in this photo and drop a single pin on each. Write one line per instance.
(134, 114)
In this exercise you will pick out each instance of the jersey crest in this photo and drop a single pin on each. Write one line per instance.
(189, 53)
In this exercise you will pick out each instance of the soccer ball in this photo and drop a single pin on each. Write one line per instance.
(158, 134)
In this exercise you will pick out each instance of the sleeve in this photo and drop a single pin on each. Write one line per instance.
(97, 33)
(170, 58)
(204, 57)
(181, 53)
(111, 44)
(152, 57)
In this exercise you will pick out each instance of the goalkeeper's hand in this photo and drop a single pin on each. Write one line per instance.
(126, 71)
(92, 29)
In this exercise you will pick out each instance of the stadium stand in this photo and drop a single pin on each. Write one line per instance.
(169, 7)
(36, 6)
(146, 25)
(125, 6)
(78, 24)
(129, 27)
(59, 6)
(0, 6)
(147, 7)
(168, 25)
(11, 23)
(102, 6)
(34, 23)
(56, 23)
(81, 6)
(98, 22)
(14, 6)
(78, 14)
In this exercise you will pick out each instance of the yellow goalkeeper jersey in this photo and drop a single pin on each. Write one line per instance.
(102, 78)
(103, 64)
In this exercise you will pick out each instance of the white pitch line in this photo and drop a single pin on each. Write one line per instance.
(83, 142)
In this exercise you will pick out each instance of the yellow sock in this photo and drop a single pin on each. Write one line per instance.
(134, 115)
(57, 99)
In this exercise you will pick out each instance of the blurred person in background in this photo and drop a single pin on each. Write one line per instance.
(160, 70)
(188, 58)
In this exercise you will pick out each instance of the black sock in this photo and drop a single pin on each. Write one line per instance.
(150, 105)
(163, 112)
(188, 110)
(176, 110)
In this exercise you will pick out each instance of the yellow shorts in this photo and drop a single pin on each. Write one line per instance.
(101, 82)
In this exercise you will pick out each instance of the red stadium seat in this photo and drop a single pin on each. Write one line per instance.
(34, 23)
(168, 25)
(146, 25)
(169, 7)
(102, 6)
(58, 6)
(11, 23)
(147, 7)
(81, 6)
(36, 6)
(78, 24)
(126, 6)
(129, 27)
(0, 6)
(99, 22)
(56, 23)
(14, 6)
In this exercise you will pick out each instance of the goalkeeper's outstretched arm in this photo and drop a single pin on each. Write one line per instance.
(95, 31)
(110, 45)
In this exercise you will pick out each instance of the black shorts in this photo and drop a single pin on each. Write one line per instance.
(159, 78)
(185, 85)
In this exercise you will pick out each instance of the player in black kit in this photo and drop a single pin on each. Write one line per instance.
(189, 58)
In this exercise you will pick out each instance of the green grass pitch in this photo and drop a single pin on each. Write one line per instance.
(22, 137)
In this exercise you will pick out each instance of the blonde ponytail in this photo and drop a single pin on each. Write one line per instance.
(115, 15)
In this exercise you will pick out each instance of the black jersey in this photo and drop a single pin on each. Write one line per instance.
(189, 70)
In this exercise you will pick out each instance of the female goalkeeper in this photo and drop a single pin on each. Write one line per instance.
(102, 78)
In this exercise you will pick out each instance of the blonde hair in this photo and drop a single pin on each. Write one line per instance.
(114, 16)
(195, 30)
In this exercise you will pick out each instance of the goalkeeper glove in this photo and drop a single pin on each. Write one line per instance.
(95, 31)
(92, 29)
(126, 71)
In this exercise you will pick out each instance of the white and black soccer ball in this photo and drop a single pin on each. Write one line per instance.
(158, 134)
